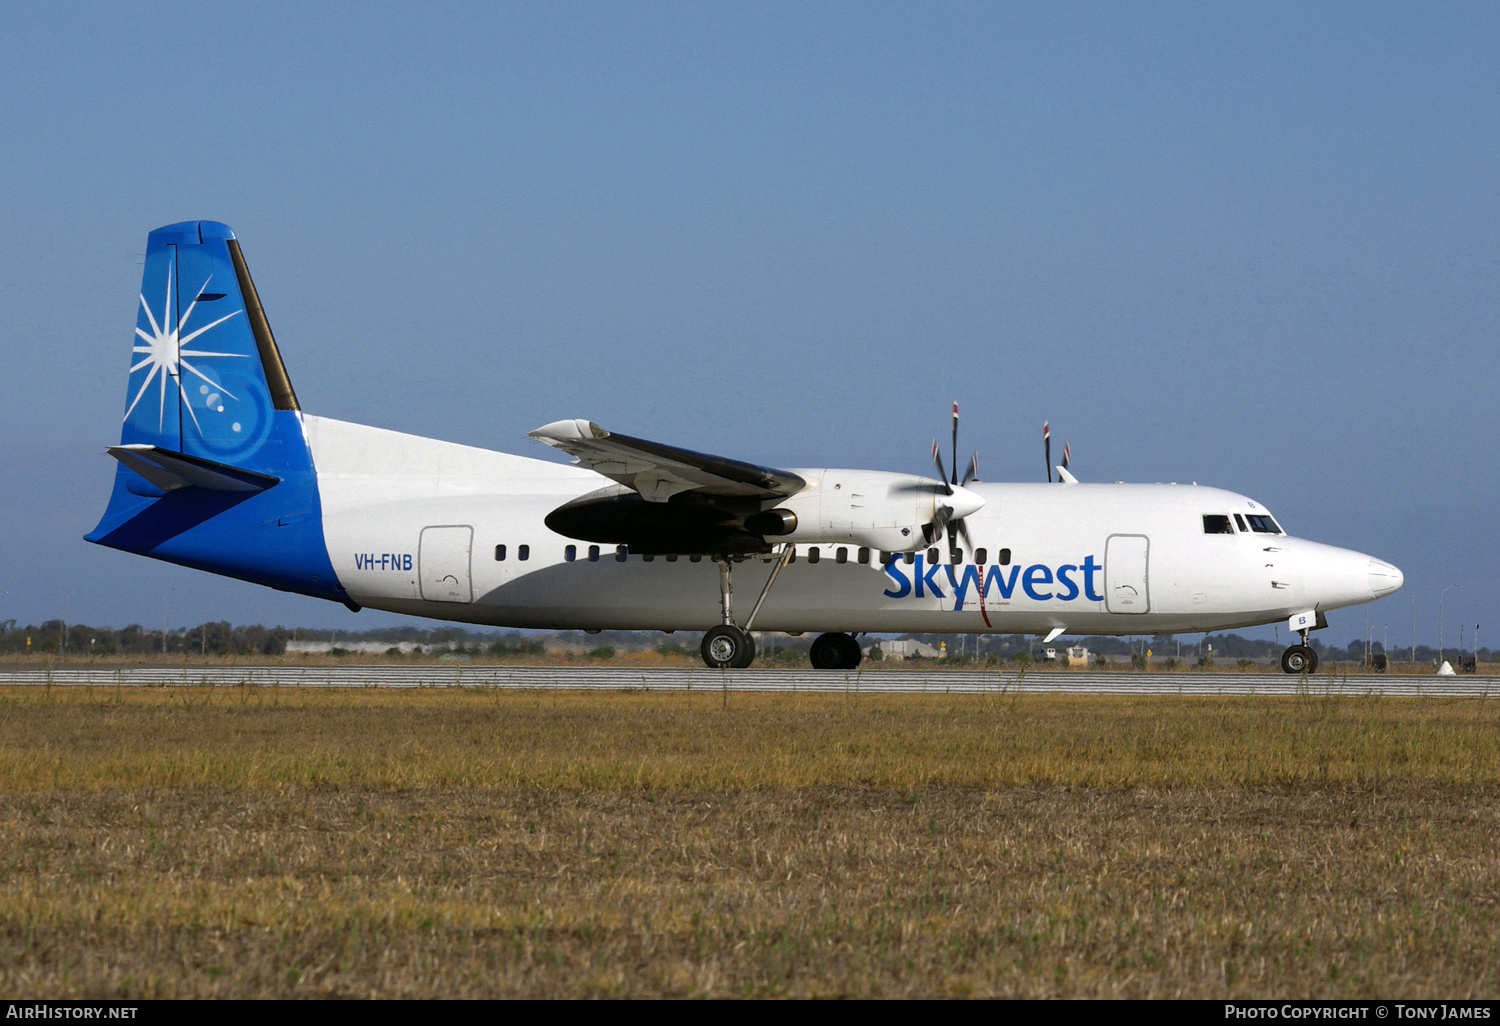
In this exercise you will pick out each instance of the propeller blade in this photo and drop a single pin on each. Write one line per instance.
(973, 471)
(962, 530)
(937, 458)
(1047, 448)
(955, 443)
(940, 520)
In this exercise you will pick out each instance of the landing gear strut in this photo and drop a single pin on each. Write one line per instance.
(728, 645)
(835, 652)
(1300, 658)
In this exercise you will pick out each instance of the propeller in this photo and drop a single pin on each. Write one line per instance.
(1047, 448)
(944, 514)
(1047, 452)
(955, 443)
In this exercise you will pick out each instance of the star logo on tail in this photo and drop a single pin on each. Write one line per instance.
(163, 355)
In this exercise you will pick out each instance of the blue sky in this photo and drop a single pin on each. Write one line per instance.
(1247, 245)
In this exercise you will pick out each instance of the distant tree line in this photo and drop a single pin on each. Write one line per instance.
(214, 638)
(1231, 647)
(220, 638)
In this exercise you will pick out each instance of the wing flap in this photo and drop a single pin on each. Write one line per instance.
(659, 471)
(170, 471)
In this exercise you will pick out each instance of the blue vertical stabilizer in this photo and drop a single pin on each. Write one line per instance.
(209, 396)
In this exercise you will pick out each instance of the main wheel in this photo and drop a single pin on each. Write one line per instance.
(835, 652)
(729, 646)
(1299, 659)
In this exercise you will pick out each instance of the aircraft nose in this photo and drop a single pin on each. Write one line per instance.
(1342, 577)
(1384, 578)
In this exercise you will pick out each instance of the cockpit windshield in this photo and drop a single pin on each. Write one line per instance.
(1260, 523)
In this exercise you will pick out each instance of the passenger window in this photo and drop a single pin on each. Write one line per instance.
(981, 556)
(593, 553)
(648, 557)
(499, 553)
(523, 551)
(671, 559)
(864, 556)
(841, 555)
(695, 558)
(570, 553)
(813, 554)
(1263, 524)
(621, 551)
(1241, 521)
(932, 556)
(956, 556)
(908, 558)
(1217, 523)
(1005, 557)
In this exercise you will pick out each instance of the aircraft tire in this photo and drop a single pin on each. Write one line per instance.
(835, 651)
(728, 646)
(1299, 659)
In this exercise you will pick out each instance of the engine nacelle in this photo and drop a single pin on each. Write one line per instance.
(881, 510)
(772, 523)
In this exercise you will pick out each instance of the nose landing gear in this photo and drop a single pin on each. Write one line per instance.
(1300, 658)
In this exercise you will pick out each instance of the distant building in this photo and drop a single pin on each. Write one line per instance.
(368, 647)
(908, 648)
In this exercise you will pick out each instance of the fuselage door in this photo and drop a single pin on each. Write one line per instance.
(1126, 559)
(443, 562)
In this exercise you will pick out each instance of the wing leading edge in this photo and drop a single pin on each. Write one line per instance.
(659, 471)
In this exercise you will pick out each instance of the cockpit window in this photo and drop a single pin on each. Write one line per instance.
(1262, 524)
(1217, 523)
(1239, 519)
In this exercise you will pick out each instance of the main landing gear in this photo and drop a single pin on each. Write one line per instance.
(1300, 658)
(835, 652)
(726, 646)
(729, 646)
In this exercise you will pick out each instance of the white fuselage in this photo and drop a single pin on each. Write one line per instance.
(414, 525)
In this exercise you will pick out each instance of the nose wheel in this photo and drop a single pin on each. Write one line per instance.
(1299, 659)
(835, 652)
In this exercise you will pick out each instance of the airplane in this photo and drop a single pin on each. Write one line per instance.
(219, 469)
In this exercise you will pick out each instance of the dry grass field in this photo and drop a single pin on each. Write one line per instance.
(279, 842)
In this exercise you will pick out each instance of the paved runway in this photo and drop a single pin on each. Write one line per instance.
(928, 681)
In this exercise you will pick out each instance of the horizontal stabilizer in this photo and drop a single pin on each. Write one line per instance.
(170, 471)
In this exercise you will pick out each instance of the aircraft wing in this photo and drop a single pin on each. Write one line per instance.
(659, 471)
